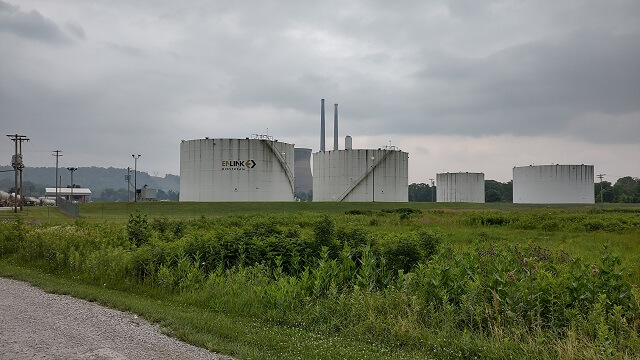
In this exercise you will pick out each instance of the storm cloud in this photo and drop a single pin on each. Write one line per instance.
(107, 79)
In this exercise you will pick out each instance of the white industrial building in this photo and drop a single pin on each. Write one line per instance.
(460, 187)
(252, 169)
(82, 194)
(553, 184)
(361, 175)
(358, 175)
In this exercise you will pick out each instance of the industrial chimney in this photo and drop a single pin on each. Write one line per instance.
(335, 127)
(322, 125)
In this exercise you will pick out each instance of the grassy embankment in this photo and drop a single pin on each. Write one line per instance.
(309, 280)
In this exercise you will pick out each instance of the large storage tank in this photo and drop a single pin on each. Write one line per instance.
(460, 187)
(361, 175)
(553, 184)
(303, 180)
(256, 169)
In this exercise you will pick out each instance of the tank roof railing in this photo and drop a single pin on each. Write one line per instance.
(262, 137)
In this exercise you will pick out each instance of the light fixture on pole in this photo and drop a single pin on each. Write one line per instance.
(72, 169)
(135, 177)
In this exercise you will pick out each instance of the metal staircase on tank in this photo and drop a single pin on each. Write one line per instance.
(363, 176)
(283, 163)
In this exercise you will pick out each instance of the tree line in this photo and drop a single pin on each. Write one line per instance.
(624, 190)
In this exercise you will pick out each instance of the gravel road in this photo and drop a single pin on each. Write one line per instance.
(38, 325)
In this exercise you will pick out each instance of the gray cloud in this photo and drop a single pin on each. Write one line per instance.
(31, 25)
(173, 70)
(76, 30)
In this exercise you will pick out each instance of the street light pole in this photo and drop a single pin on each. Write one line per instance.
(135, 177)
(72, 169)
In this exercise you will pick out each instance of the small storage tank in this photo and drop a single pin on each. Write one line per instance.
(362, 175)
(553, 184)
(460, 187)
(256, 169)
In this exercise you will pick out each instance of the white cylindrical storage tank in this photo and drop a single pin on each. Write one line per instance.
(460, 187)
(361, 175)
(553, 184)
(348, 143)
(257, 169)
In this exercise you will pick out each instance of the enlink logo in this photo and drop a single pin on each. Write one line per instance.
(238, 164)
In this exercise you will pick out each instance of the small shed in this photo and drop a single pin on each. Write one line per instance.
(79, 194)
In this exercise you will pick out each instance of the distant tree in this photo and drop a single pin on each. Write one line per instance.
(110, 194)
(492, 195)
(508, 191)
(421, 192)
(161, 195)
(626, 189)
(493, 191)
(166, 195)
(603, 188)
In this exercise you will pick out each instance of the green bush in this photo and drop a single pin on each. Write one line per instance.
(138, 229)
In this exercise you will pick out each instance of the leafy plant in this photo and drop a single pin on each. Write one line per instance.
(138, 229)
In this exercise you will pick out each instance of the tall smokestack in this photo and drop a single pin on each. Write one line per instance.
(335, 126)
(322, 125)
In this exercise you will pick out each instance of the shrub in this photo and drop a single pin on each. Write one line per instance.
(429, 242)
(402, 253)
(324, 234)
(138, 229)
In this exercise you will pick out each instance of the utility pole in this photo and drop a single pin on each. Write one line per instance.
(72, 169)
(601, 176)
(128, 178)
(433, 198)
(57, 155)
(18, 165)
(135, 177)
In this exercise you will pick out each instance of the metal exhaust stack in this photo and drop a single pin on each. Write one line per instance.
(335, 127)
(322, 125)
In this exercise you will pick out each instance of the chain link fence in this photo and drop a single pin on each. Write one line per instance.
(69, 208)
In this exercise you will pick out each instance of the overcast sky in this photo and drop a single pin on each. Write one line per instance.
(460, 85)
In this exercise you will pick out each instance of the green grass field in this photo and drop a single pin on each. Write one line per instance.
(350, 280)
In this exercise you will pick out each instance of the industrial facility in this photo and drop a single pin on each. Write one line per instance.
(261, 168)
(251, 169)
(553, 184)
(460, 187)
(363, 175)
(302, 171)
